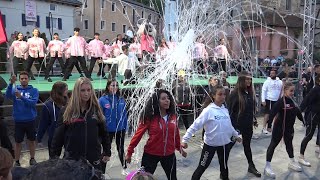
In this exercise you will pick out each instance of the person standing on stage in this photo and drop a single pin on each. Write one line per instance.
(55, 48)
(199, 55)
(78, 48)
(25, 98)
(242, 107)
(19, 50)
(271, 92)
(135, 48)
(96, 50)
(117, 46)
(108, 53)
(37, 48)
(221, 54)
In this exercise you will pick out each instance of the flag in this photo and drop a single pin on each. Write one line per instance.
(3, 35)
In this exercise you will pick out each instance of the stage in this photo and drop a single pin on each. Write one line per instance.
(100, 83)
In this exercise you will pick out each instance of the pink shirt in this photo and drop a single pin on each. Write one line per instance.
(221, 52)
(171, 45)
(200, 51)
(77, 45)
(36, 47)
(162, 52)
(19, 49)
(136, 49)
(67, 54)
(96, 48)
(108, 52)
(147, 43)
(117, 48)
(55, 46)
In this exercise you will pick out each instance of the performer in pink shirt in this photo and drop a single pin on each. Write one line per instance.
(221, 54)
(55, 49)
(162, 50)
(199, 55)
(96, 50)
(117, 46)
(19, 50)
(78, 47)
(135, 48)
(67, 56)
(37, 48)
(107, 54)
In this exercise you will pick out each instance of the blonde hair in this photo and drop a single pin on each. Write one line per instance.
(73, 109)
(6, 162)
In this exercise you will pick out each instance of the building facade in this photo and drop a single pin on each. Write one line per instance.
(171, 18)
(112, 17)
(50, 15)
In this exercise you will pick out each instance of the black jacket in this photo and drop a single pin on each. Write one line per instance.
(242, 120)
(82, 138)
(312, 101)
(182, 93)
(286, 112)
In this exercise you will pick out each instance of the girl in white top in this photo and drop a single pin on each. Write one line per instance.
(219, 132)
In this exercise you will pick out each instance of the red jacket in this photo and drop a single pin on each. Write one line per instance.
(164, 137)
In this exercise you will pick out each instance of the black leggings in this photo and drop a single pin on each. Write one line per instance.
(168, 163)
(185, 114)
(206, 158)
(246, 142)
(275, 140)
(119, 136)
(314, 119)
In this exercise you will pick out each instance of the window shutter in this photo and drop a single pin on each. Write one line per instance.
(38, 22)
(24, 23)
(48, 22)
(4, 20)
(59, 23)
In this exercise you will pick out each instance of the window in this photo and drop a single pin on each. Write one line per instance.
(85, 3)
(175, 26)
(4, 20)
(254, 44)
(55, 23)
(86, 24)
(30, 23)
(124, 10)
(113, 7)
(142, 13)
(283, 43)
(124, 28)
(169, 27)
(102, 25)
(288, 4)
(103, 3)
(113, 27)
(133, 16)
(53, 7)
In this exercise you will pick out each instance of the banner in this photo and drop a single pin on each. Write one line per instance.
(3, 35)
(31, 10)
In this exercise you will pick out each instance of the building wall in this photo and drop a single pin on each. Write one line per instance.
(14, 9)
(98, 14)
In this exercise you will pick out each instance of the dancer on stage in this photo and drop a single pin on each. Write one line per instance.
(96, 50)
(19, 50)
(200, 55)
(117, 46)
(37, 49)
(78, 48)
(218, 133)
(310, 104)
(285, 112)
(55, 48)
(242, 107)
(67, 55)
(162, 50)
(147, 33)
(108, 53)
(221, 55)
(160, 121)
(135, 48)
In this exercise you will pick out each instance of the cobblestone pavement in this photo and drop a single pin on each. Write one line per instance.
(237, 162)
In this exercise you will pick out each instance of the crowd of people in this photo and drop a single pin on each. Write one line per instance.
(85, 125)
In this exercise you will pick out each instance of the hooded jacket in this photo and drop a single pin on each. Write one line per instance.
(312, 101)
(81, 138)
(271, 89)
(217, 125)
(24, 108)
(164, 136)
(114, 109)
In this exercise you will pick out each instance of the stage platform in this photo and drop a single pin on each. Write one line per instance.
(100, 83)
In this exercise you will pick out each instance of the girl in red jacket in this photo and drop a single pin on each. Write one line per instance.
(160, 120)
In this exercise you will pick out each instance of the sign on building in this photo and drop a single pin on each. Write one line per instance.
(31, 10)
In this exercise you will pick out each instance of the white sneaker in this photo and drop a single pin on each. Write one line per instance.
(295, 166)
(317, 149)
(106, 176)
(201, 145)
(304, 162)
(265, 131)
(124, 172)
(255, 136)
(268, 172)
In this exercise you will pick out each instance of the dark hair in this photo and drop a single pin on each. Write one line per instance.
(117, 38)
(106, 92)
(125, 47)
(317, 79)
(76, 29)
(96, 34)
(18, 35)
(57, 91)
(241, 87)
(106, 39)
(209, 99)
(273, 69)
(56, 34)
(23, 73)
(317, 65)
(152, 107)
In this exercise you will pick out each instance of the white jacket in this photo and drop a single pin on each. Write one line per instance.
(122, 60)
(271, 89)
(217, 125)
